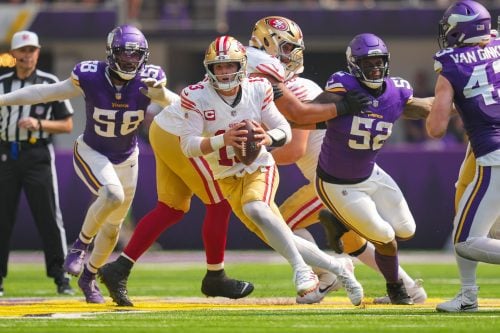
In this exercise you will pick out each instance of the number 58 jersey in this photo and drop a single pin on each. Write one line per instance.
(113, 114)
(474, 73)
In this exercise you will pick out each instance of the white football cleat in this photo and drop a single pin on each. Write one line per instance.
(465, 301)
(351, 285)
(327, 282)
(305, 280)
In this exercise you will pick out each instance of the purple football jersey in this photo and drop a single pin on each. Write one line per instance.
(474, 73)
(113, 116)
(351, 143)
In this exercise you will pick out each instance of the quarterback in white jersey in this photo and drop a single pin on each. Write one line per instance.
(254, 101)
(214, 112)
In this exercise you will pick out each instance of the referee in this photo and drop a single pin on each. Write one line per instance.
(27, 160)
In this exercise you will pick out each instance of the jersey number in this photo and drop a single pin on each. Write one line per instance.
(479, 85)
(106, 122)
(361, 129)
(224, 159)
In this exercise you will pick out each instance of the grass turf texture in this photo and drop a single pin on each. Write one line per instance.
(168, 299)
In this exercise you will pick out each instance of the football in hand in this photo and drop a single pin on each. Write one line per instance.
(250, 150)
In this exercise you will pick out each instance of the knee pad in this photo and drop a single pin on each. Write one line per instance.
(255, 211)
(406, 231)
(113, 195)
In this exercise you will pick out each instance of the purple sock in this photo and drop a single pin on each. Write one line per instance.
(389, 266)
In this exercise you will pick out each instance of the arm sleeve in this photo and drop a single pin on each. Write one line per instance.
(41, 93)
(191, 134)
(274, 120)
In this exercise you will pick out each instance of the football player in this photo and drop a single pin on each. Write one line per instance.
(106, 154)
(214, 111)
(349, 182)
(177, 179)
(472, 85)
(282, 38)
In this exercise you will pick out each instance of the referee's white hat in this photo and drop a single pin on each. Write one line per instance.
(24, 38)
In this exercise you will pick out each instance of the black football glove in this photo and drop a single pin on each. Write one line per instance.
(353, 103)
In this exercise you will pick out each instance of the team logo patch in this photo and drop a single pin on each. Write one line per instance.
(277, 23)
(39, 110)
(209, 114)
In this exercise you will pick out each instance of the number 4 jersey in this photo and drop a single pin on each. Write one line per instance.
(474, 73)
(113, 113)
(351, 143)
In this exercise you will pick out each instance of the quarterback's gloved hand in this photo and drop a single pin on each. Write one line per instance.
(353, 103)
(156, 91)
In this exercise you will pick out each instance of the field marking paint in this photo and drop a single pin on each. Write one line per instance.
(69, 308)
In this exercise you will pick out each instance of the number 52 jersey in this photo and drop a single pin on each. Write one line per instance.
(352, 143)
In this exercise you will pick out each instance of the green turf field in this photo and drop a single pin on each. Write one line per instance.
(168, 299)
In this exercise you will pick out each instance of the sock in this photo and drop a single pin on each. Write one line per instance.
(214, 232)
(277, 233)
(388, 266)
(314, 257)
(368, 258)
(467, 270)
(219, 273)
(305, 234)
(124, 263)
(149, 228)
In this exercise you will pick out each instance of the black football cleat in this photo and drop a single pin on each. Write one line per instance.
(63, 286)
(217, 284)
(114, 276)
(397, 293)
(334, 230)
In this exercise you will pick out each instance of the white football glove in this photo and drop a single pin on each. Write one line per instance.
(156, 91)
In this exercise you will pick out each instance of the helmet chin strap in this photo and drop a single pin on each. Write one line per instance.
(375, 91)
(115, 76)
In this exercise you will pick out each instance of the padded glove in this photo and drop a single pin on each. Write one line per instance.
(353, 103)
(156, 91)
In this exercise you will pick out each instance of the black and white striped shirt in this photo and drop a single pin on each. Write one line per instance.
(10, 115)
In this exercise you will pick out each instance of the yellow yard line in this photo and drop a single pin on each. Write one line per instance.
(58, 307)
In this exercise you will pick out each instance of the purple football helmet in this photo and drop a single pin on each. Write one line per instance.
(464, 22)
(127, 51)
(365, 46)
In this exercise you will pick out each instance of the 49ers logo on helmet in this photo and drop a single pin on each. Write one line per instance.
(277, 23)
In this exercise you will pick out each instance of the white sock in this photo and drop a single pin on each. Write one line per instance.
(305, 234)
(278, 234)
(467, 269)
(315, 257)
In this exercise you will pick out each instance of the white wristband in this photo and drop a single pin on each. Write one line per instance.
(217, 142)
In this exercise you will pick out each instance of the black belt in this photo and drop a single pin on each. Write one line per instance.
(26, 144)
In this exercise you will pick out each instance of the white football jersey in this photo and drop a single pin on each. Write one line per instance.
(171, 118)
(206, 114)
(306, 90)
(259, 61)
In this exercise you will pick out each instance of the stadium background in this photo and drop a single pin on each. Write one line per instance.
(178, 31)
